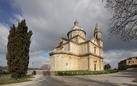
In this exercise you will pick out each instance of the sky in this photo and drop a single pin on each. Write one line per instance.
(52, 19)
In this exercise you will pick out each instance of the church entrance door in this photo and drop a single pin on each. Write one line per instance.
(95, 67)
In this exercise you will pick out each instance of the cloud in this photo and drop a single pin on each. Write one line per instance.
(38, 59)
(52, 19)
(3, 61)
(114, 56)
(16, 19)
(4, 31)
(115, 43)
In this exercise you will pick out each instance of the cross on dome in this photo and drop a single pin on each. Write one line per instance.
(76, 23)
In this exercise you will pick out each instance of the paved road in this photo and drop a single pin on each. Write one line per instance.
(125, 78)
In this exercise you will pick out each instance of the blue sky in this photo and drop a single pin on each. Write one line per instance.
(7, 11)
(50, 20)
(6, 14)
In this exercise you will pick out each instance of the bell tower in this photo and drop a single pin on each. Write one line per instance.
(98, 35)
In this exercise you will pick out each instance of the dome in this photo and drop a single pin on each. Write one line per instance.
(76, 26)
(76, 30)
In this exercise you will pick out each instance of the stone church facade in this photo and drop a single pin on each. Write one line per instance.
(77, 53)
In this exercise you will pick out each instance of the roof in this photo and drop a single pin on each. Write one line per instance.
(127, 59)
(76, 26)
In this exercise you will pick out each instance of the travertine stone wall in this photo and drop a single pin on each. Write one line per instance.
(65, 47)
(61, 62)
(83, 63)
(80, 40)
(74, 39)
(83, 48)
(74, 48)
(95, 49)
(76, 32)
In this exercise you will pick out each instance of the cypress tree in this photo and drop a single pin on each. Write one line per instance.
(18, 49)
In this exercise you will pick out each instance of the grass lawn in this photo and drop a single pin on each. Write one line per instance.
(6, 79)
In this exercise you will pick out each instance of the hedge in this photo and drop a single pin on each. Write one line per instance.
(80, 72)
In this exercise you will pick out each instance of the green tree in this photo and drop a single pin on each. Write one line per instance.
(18, 49)
(124, 20)
(107, 67)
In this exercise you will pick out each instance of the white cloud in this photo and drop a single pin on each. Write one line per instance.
(51, 19)
(3, 38)
(38, 60)
(16, 20)
(3, 61)
(4, 31)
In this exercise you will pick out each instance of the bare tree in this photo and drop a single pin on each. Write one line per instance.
(124, 20)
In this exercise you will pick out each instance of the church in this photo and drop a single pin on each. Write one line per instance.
(77, 53)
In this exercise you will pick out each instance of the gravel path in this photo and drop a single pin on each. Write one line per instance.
(125, 78)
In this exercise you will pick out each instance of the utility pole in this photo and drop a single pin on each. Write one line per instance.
(33, 68)
(33, 65)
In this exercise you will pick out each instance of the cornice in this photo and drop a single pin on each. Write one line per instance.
(70, 53)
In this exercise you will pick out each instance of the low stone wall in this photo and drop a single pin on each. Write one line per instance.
(37, 72)
(53, 73)
(41, 72)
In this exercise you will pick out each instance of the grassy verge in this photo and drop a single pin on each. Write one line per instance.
(6, 79)
(81, 72)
